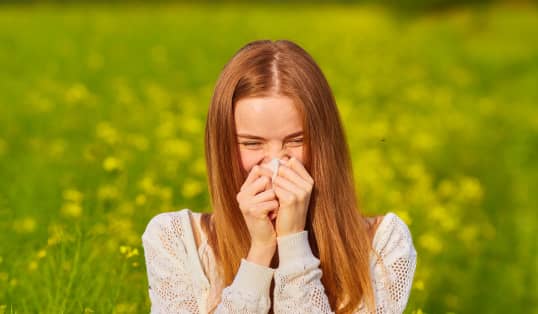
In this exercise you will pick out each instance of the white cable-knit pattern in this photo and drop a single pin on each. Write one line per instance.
(172, 288)
(298, 287)
(395, 267)
(244, 302)
(175, 284)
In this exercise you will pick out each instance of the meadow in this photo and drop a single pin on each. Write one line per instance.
(102, 114)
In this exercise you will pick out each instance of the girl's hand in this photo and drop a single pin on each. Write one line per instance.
(256, 200)
(293, 187)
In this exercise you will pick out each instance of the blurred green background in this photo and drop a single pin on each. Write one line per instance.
(102, 113)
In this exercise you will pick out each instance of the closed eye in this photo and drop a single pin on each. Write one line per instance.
(298, 140)
(250, 143)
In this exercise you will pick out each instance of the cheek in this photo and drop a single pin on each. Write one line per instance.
(249, 159)
(298, 154)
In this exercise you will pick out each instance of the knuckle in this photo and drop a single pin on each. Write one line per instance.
(291, 199)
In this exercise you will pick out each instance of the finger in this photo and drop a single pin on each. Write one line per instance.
(293, 177)
(284, 195)
(287, 185)
(298, 167)
(261, 210)
(257, 186)
(264, 196)
(254, 174)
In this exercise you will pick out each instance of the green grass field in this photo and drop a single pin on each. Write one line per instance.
(102, 113)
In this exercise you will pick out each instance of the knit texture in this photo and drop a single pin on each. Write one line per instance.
(183, 278)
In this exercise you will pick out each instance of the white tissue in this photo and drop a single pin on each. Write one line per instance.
(273, 166)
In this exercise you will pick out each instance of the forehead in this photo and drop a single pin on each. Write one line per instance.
(267, 115)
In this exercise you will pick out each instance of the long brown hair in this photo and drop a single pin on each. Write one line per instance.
(338, 233)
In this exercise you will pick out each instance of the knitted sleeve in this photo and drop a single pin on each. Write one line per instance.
(171, 285)
(298, 287)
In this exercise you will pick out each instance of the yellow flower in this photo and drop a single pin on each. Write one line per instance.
(32, 266)
(72, 195)
(430, 242)
(58, 234)
(138, 141)
(147, 185)
(124, 308)
(140, 199)
(199, 166)
(191, 188)
(441, 216)
(107, 133)
(76, 93)
(112, 164)
(128, 251)
(192, 125)
(124, 249)
(107, 192)
(176, 148)
(419, 285)
(41, 254)
(133, 252)
(73, 210)
(471, 189)
(404, 215)
(25, 225)
(446, 188)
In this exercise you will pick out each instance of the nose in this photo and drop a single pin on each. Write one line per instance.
(276, 151)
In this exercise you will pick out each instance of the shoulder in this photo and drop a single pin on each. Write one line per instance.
(167, 225)
(393, 238)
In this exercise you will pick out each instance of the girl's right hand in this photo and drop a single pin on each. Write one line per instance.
(256, 200)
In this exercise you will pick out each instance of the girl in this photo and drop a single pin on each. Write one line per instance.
(284, 237)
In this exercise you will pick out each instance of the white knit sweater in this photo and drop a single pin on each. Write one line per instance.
(183, 279)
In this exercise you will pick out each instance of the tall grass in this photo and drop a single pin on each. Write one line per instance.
(102, 113)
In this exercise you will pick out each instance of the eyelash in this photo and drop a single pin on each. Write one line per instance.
(255, 143)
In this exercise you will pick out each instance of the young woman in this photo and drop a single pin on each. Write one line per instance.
(286, 238)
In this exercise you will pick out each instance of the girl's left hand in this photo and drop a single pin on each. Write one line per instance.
(293, 187)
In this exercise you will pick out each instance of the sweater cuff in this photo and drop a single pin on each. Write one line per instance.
(253, 277)
(293, 248)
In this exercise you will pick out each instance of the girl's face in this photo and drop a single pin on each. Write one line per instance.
(268, 127)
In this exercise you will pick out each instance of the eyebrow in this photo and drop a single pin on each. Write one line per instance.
(261, 138)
